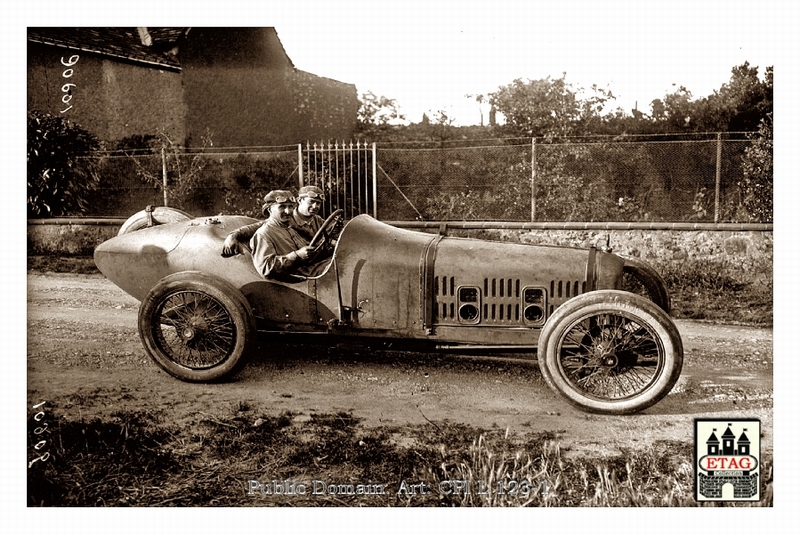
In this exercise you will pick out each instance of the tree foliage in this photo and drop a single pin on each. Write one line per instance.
(552, 107)
(737, 106)
(60, 176)
(741, 104)
(376, 114)
(756, 186)
(548, 107)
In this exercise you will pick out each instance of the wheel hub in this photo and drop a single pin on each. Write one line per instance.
(193, 330)
(610, 360)
(605, 354)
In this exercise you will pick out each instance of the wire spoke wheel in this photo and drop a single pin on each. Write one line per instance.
(610, 352)
(195, 330)
(610, 356)
(197, 327)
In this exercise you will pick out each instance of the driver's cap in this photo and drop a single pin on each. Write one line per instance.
(277, 196)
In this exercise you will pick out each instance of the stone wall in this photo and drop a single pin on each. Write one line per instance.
(68, 238)
(745, 252)
(741, 256)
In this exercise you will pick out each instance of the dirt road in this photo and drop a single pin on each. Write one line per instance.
(85, 358)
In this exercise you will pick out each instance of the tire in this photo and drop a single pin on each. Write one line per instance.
(610, 352)
(642, 279)
(159, 215)
(198, 328)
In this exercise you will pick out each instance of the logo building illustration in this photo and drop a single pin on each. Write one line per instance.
(727, 466)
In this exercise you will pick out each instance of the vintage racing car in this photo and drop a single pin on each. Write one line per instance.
(604, 349)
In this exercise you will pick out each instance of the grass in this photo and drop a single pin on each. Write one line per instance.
(135, 460)
(719, 293)
(63, 264)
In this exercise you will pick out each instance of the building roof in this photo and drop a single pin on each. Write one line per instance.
(728, 433)
(125, 43)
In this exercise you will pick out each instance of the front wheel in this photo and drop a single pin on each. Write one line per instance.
(197, 327)
(610, 352)
(642, 279)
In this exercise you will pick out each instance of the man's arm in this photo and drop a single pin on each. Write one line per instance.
(234, 241)
(269, 263)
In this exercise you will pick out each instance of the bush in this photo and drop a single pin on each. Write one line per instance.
(59, 174)
(756, 186)
(199, 181)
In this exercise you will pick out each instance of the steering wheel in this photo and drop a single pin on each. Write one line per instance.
(330, 229)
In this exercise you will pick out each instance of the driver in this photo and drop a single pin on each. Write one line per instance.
(305, 218)
(279, 250)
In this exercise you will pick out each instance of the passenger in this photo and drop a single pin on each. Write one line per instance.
(279, 251)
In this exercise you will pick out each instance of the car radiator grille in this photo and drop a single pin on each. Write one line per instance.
(499, 301)
(563, 290)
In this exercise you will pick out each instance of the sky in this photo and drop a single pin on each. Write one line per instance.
(429, 55)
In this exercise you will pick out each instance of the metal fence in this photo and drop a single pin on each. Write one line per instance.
(591, 180)
(346, 172)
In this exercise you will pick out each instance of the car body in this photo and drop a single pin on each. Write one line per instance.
(605, 349)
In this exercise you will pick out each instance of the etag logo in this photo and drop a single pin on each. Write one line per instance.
(727, 466)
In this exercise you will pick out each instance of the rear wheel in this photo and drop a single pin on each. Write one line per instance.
(610, 352)
(153, 216)
(197, 327)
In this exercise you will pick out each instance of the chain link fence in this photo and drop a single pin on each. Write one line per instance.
(668, 181)
(607, 180)
(229, 181)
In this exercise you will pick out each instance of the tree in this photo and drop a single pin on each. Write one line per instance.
(675, 113)
(738, 106)
(548, 107)
(537, 108)
(440, 126)
(185, 183)
(756, 185)
(60, 175)
(376, 113)
(590, 110)
(744, 102)
(480, 99)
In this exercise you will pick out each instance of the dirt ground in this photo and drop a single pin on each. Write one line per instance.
(85, 357)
